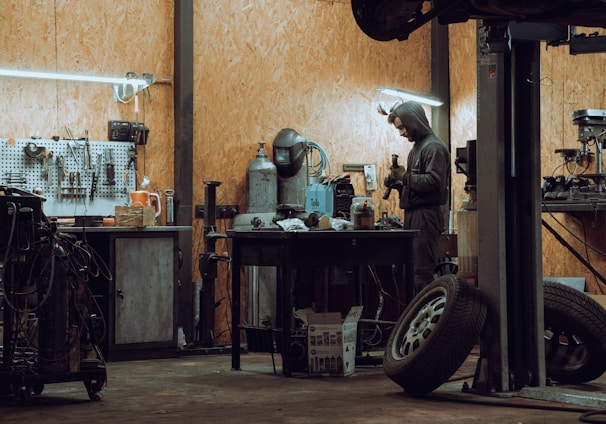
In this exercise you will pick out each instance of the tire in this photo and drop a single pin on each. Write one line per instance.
(575, 335)
(434, 335)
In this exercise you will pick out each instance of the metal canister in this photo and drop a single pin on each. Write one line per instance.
(261, 183)
(170, 206)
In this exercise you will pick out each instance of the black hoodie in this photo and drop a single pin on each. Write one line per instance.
(427, 176)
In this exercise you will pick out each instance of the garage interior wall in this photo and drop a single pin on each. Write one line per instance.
(261, 66)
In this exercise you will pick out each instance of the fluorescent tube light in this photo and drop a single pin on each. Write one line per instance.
(407, 95)
(67, 77)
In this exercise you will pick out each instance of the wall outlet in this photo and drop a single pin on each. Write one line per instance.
(221, 211)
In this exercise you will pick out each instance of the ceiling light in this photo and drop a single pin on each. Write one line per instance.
(407, 95)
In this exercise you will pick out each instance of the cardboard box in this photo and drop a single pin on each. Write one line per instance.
(331, 342)
(135, 216)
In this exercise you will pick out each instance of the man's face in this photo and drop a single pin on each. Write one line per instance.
(400, 127)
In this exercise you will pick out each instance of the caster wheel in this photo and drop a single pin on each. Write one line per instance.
(22, 394)
(94, 388)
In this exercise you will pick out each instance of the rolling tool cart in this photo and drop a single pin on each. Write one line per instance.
(51, 324)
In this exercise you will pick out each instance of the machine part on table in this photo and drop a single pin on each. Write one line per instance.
(255, 221)
(286, 211)
(261, 183)
(434, 334)
(575, 336)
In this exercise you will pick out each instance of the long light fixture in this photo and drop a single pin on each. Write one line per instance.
(407, 95)
(124, 87)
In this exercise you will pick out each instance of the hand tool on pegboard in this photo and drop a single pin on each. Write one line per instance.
(110, 178)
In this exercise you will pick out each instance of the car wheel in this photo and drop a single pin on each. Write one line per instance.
(435, 334)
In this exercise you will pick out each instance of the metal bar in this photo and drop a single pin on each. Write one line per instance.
(573, 251)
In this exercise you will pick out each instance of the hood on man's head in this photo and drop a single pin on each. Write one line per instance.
(414, 119)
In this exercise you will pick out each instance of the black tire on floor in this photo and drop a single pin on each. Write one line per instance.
(434, 335)
(575, 335)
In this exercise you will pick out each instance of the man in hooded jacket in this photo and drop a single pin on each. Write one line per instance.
(425, 187)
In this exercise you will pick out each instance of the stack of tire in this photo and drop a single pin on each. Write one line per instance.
(439, 328)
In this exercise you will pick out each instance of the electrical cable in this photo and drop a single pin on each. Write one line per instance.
(583, 242)
(319, 169)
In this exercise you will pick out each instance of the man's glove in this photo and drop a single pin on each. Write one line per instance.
(395, 177)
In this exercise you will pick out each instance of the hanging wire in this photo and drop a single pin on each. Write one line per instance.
(317, 169)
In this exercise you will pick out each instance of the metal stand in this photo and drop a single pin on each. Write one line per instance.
(208, 267)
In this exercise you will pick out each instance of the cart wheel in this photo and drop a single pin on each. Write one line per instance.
(95, 388)
(38, 388)
(22, 393)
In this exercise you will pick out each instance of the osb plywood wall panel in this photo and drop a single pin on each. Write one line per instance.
(90, 37)
(463, 108)
(570, 83)
(264, 65)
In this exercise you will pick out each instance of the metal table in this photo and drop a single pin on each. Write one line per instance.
(291, 250)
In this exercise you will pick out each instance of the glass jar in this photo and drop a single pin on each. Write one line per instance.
(362, 213)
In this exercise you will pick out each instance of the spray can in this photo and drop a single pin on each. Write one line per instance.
(170, 206)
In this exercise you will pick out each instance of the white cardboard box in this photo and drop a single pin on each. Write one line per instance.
(331, 342)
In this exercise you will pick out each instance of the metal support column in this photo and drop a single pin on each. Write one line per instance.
(509, 221)
(183, 155)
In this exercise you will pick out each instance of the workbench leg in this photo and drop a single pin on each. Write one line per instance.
(235, 310)
(286, 276)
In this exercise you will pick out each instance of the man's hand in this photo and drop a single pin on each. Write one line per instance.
(394, 179)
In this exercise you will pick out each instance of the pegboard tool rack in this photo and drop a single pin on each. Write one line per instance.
(66, 171)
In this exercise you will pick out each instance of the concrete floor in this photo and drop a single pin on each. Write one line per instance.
(203, 389)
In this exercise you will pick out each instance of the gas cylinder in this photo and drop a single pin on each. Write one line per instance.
(261, 282)
(467, 240)
(261, 183)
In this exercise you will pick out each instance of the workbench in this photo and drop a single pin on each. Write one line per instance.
(289, 251)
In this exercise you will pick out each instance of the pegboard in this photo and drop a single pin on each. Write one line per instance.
(61, 171)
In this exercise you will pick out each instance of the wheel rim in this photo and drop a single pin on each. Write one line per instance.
(421, 326)
(565, 350)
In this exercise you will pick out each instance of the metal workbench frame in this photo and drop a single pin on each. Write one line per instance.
(289, 251)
